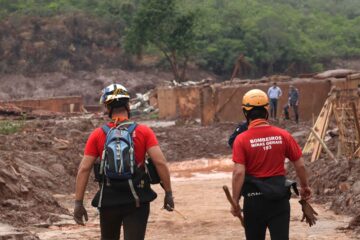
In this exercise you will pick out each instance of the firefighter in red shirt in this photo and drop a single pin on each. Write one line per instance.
(118, 206)
(259, 175)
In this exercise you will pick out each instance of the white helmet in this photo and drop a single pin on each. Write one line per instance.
(113, 92)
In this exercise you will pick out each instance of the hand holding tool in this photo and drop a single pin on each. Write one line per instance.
(233, 204)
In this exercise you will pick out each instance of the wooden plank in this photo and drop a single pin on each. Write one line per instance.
(356, 123)
(323, 144)
(320, 127)
(321, 133)
(310, 143)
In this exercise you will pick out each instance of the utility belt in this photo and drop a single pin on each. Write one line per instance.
(117, 192)
(271, 188)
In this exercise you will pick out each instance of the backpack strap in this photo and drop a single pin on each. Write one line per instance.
(132, 127)
(105, 128)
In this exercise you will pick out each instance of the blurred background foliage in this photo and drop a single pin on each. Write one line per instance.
(275, 36)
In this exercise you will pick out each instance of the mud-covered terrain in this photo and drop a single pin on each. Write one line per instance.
(42, 157)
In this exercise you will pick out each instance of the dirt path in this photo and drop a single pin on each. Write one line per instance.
(201, 200)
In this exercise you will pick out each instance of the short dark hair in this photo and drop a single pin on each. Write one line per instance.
(256, 113)
(119, 105)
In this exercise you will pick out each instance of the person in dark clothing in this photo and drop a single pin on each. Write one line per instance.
(259, 174)
(293, 102)
(122, 202)
(242, 127)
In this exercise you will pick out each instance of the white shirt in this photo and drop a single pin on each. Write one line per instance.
(274, 92)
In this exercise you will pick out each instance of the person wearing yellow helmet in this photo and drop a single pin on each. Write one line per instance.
(259, 174)
(125, 194)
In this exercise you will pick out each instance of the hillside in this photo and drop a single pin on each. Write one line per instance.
(275, 36)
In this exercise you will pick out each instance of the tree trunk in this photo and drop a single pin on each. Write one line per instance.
(172, 60)
(184, 68)
(175, 66)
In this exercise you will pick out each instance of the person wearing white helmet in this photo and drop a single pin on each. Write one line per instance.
(129, 206)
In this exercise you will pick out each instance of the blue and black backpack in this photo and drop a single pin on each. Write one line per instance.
(118, 160)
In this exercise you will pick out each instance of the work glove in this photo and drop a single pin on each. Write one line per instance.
(305, 193)
(80, 212)
(308, 213)
(169, 201)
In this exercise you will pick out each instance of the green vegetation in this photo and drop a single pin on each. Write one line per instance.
(10, 127)
(274, 35)
(157, 22)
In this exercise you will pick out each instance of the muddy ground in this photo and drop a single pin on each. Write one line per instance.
(203, 214)
(41, 160)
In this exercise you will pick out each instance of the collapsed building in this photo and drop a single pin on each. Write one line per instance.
(221, 102)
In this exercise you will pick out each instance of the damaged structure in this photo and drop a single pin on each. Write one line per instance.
(222, 102)
(55, 104)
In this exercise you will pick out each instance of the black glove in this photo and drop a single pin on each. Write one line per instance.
(308, 213)
(80, 212)
(169, 201)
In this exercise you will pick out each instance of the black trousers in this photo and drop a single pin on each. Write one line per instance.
(296, 112)
(133, 219)
(260, 214)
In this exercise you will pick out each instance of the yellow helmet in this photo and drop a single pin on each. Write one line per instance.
(255, 98)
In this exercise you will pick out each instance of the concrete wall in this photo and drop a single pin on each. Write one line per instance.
(222, 103)
(180, 102)
(56, 104)
(226, 100)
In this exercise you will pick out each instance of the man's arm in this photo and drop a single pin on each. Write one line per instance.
(81, 181)
(159, 161)
(83, 176)
(238, 181)
(297, 97)
(302, 175)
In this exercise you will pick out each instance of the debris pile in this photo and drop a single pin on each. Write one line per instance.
(335, 177)
(191, 83)
(10, 109)
(144, 103)
(36, 162)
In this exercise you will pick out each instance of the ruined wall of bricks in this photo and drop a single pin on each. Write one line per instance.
(222, 103)
(56, 104)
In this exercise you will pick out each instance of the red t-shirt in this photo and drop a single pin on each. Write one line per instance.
(263, 150)
(143, 137)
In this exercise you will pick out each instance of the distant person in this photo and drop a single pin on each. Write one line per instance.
(274, 94)
(259, 155)
(293, 102)
(124, 196)
(242, 127)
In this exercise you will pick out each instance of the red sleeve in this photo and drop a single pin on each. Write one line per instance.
(238, 151)
(293, 150)
(91, 148)
(150, 138)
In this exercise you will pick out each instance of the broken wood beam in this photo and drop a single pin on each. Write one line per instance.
(356, 122)
(331, 155)
(356, 152)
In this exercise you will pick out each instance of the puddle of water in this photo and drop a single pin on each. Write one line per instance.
(202, 165)
(157, 123)
(202, 176)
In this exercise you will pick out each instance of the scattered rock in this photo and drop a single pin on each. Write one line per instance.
(344, 187)
(356, 187)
